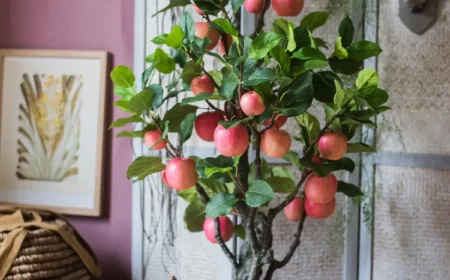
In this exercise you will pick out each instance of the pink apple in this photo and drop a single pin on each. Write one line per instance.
(254, 6)
(225, 44)
(202, 30)
(288, 8)
(231, 142)
(275, 143)
(294, 210)
(333, 145)
(321, 189)
(202, 84)
(151, 137)
(252, 104)
(198, 10)
(319, 210)
(206, 124)
(279, 121)
(316, 159)
(180, 173)
(226, 229)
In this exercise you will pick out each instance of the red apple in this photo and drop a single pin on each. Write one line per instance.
(279, 121)
(198, 10)
(333, 145)
(288, 8)
(202, 30)
(252, 104)
(226, 229)
(316, 159)
(319, 210)
(202, 84)
(294, 210)
(254, 6)
(321, 189)
(224, 47)
(231, 142)
(206, 124)
(275, 143)
(180, 173)
(151, 137)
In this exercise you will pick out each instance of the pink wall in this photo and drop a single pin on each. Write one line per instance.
(87, 25)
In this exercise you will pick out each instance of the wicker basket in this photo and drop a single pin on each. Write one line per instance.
(42, 245)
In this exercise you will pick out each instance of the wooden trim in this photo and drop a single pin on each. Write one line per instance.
(103, 56)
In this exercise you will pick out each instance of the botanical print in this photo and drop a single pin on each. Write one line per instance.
(49, 130)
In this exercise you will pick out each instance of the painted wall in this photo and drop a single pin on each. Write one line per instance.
(87, 25)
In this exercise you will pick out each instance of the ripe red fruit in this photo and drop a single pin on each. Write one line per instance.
(202, 84)
(319, 210)
(224, 47)
(206, 124)
(151, 137)
(202, 30)
(254, 6)
(231, 142)
(279, 121)
(321, 189)
(226, 229)
(252, 104)
(294, 210)
(198, 10)
(288, 8)
(333, 145)
(180, 173)
(275, 143)
(316, 159)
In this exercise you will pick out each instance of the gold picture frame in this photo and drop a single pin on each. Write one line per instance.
(52, 129)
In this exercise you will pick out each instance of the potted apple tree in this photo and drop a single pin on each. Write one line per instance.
(265, 79)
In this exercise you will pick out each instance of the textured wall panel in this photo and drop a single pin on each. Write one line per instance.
(414, 69)
(411, 227)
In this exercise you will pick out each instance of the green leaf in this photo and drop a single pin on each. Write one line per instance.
(339, 97)
(217, 162)
(210, 7)
(263, 43)
(189, 195)
(314, 20)
(360, 148)
(143, 166)
(173, 4)
(163, 62)
(367, 78)
(190, 71)
(125, 92)
(217, 76)
(177, 114)
(239, 230)
(259, 193)
(310, 127)
(209, 171)
(214, 186)
(194, 216)
(308, 53)
(367, 123)
(226, 26)
(324, 87)
(160, 39)
(302, 37)
(236, 4)
(131, 134)
(141, 101)
(123, 105)
(187, 26)
(122, 76)
(186, 127)
(281, 184)
(199, 47)
(292, 157)
(201, 97)
(373, 97)
(265, 171)
(259, 76)
(124, 121)
(339, 51)
(157, 96)
(280, 55)
(175, 37)
(287, 29)
(281, 171)
(363, 49)
(343, 164)
(346, 31)
(349, 190)
(179, 57)
(346, 66)
(230, 124)
(220, 205)
(299, 96)
(229, 84)
(312, 64)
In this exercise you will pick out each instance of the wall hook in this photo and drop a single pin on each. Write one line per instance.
(418, 15)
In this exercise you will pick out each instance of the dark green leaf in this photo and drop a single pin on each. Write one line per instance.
(263, 43)
(346, 66)
(229, 84)
(314, 20)
(220, 205)
(124, 121)
(131, 134)
(239, 230)
(173, 4)
(281, 184)
(367, 123)
(230, 124)
(190, 71)
(214, 186)
(157, 97)
(308, 53)
(374, 97)
(194, 216)
(346, 31)
(201, 97)
(163, 62)
(360, 148)
(302, 37)
(187, 26)
(236, 4)
(259, 76)
(186, 127)
(143, 166)
(189, 195)
(218, 162)
(146, 75)
(179, 57)
(210, 7)
(175, 37)
(367, 78)
(226, 26)
(141, 101)
(280, 55)
(312, 64)
(292, 157)
(122, 76)
(299, 96)
(310, 127)
(320, 43)
(363, 49)
(343, 164)
(199, 47)
(259, 193)
(324, 87)
(349, 190)
(339, 51)
(286, 29)
(177, 114)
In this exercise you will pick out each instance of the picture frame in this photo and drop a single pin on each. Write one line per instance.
(52, 129)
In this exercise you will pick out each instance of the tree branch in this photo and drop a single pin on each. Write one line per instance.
(260, 24)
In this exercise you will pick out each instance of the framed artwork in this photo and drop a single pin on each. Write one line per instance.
(52, 126)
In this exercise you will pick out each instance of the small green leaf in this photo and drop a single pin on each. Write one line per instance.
(259, 193)
(210, 7)
(186, 127)
(302, 37)
(194, 216)
(177, 114)
(209, 171)
(131, 134)
(214, 186)
(367, 123)
(187, 26)
(343, 164)
(217, 76)
(239, 230)
(314, 20)
(360, 148)
(201, 97)
(173, 4)
(190, 71)
(324, 87)
(226, 26)
(339, 51)
(189, 195)
(281, 184)
(123, 105)
(175, 38)
(339, 97)
(346, 66)
(259, 76)
(311, 65)
(292, 157)
(124, 121)
(263, 43)
(230, 124)
(308, 53)
(310, 127)
(299, 96)
(160, 39)
(141, 101)
(217, 162)
(349, 190)
(122, 76)
(346, 31)
(367, 78)
(143, 166)
(373, 97)
(220, 205)
(157, 98)
(363, 49)
(286, 29)
(229, 84)
(236, 4)
(282, 171)
(163, 62)
(280, 55)
(125, 92)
